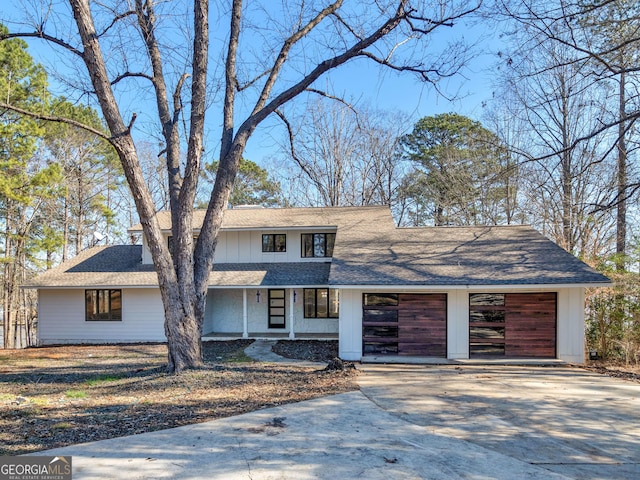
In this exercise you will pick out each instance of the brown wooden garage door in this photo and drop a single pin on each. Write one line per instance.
(512, 325)
(405, 324)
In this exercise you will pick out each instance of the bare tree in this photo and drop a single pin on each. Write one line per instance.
(605, 35)
(346, 156)
(264, 68)
(567, 171)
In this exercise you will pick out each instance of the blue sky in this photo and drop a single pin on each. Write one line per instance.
(370, 84)
(361, 81)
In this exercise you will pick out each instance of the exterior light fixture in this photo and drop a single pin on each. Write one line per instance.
(295, 296)
(258, 296)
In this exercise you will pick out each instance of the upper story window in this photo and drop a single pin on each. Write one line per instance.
(274, 242)
(103, 305)
(318, 244)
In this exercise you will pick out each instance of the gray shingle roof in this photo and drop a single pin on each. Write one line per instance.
(270, 274)
(507, 255)
(369, 250)
(241, 218)
(120, 266)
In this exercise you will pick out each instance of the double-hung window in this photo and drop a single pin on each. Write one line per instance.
(318, 244)
(103, 305)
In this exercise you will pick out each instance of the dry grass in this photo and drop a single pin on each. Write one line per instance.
(56, 396)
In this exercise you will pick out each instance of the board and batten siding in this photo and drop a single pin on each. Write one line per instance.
(570, 321)
(61, 318)
(246, 247)
(570, 327)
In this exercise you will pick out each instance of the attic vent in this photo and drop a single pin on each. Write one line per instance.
(245, 207)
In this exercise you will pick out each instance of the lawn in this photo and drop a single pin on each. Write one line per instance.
(56, 396)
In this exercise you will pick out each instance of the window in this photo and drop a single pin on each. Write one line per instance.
(276, 308)
(321, 303)
(274, 242)
(487, 314)
(318, 244)
(380, 299)
(103, 305)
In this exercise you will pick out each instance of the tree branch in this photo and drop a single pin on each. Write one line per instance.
(116, 19)
(53, 118)
(122, 76)
(286, 48)
(231, 80)
(323, 67)
(44, 36)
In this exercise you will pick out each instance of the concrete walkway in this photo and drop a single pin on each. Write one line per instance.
(261, 351)
(407, 422)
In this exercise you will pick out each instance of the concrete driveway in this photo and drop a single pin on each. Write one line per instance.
(407, 422)
(565, 420)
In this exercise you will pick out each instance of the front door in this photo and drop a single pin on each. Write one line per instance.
(276, 308)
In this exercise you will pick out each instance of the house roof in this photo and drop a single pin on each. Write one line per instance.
(369, 250)
(274, 218)
(120, 266)
(497, 255)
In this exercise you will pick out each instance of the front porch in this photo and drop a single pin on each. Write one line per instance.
(265, 313)
(213, 336)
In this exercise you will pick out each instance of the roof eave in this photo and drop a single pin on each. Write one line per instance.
(487, 287)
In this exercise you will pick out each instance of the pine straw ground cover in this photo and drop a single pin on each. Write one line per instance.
(56, 396)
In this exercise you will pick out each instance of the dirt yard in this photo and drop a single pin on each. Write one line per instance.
(56, 396)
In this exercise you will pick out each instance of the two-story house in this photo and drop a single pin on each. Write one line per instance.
(346, 273)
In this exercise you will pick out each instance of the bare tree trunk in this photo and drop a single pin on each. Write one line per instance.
(567, 181)
(621, 213)
(65, 229)
(7, 287)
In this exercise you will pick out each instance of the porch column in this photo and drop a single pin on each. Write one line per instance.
(291, 316)
(245, 315)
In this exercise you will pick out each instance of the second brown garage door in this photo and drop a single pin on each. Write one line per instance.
(513, 325)
(405, 324)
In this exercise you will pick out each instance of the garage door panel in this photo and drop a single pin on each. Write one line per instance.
(415, 326)
(531, 325)
(422, 325)
(527, 322)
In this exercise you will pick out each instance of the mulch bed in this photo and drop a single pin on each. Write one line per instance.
(56, 396)
(615, 370)
(312, 350)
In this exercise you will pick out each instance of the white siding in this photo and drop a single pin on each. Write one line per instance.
(246, 247)
(350, 344)
(146, 253)
(570, 342)
(224, 311)
(61, 318)
(457, 324)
